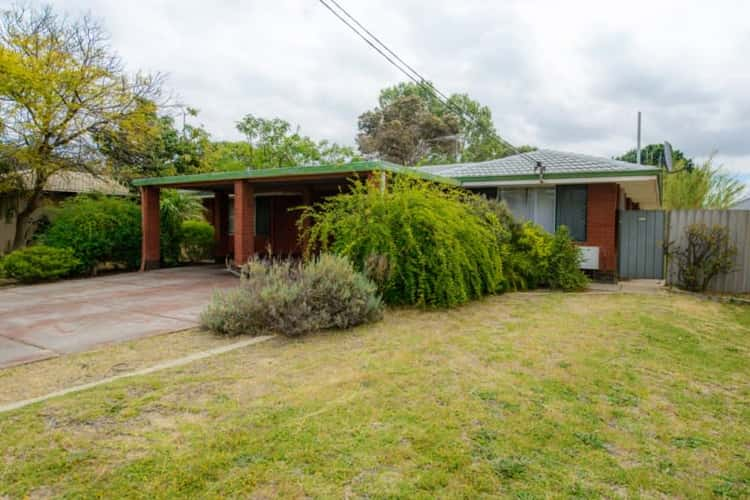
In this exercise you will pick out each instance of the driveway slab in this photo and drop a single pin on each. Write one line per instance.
(41, 321)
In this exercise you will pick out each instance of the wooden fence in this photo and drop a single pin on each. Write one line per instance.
(738, 223)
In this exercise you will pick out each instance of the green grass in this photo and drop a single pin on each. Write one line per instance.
(524, 396)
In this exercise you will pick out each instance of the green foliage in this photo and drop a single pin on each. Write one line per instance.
(197, 240)
(62, 89)
(703, 186)
(98, 229)
(39, 263)
(426, 245)
(532, 257)
(653, 154)
(175, 207)
(564, 263)
(294, 299)
(275, 143)
(411, 126)
(704, 253)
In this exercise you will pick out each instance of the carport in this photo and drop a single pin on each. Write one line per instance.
(252, 210)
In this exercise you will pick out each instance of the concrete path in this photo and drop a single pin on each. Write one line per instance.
(42, 321)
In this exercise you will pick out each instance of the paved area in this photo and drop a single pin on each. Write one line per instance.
(42, 321)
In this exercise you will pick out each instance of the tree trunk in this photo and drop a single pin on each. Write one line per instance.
(22, 219)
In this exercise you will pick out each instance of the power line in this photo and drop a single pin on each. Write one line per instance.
(409, 71)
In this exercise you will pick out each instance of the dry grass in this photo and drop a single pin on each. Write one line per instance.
(520, 395)
(43, 377)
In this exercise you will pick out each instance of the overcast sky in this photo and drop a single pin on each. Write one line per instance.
(563, 75)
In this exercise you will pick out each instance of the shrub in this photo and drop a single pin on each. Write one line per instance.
(703, 254)
(175, 208)
(565, 263)
(197, 240)
(427, 246)
(98, 230)
(293, 298)
(531, 256)
(39, 263)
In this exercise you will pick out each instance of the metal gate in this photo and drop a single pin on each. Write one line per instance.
(640, 245)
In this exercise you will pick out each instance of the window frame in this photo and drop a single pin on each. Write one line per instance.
(584, 188)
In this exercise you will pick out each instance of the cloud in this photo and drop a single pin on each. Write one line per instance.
(565, 75)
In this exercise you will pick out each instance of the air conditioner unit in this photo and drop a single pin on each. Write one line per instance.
(589, 258)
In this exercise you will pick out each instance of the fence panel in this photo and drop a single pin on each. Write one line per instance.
(738, 223)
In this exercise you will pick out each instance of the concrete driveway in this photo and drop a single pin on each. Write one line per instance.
(43, 321)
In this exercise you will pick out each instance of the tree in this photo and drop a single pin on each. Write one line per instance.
(653, 154)
(224, 156)
(704, 186)
(162, 150)
(61, 86)
(412, 126)
(274, 143)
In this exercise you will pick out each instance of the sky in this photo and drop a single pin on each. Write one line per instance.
(560, 75)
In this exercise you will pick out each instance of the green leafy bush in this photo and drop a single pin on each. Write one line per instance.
(197, 240)
(175, 208)
(532, 257)
(703, 253)
(98, 229)
(421, 242)
(293, 298)
(39, 263)
(565, 263)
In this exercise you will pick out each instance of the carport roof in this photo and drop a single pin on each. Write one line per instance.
(297, 173)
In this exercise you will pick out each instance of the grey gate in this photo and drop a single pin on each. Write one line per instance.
(640, 245)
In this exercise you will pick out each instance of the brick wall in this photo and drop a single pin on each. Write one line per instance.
(601, 224)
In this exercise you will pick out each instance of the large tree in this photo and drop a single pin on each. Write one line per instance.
(412, 126)
(653, 154)
(61, 87)
(275, 143)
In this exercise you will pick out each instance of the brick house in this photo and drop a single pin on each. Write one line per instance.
(580, 191)
(250, 209)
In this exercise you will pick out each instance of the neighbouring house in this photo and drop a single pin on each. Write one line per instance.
(250, 208)
(743, 204)
(60, 186)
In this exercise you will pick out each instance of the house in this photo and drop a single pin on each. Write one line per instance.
(580, 191)
(743, 204)
(59, 186)
(250, 208)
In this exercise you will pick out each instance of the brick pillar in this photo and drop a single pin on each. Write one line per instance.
(307, 200)
(221, 225)
(601, 222)
(244, 234)
(150, 251)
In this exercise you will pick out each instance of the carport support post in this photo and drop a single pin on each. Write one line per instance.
(150, 251)
(244, 216)
(221, 225)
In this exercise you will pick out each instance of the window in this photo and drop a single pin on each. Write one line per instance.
(534, 204)
(572, 204)
(263, 216)
(489, 193)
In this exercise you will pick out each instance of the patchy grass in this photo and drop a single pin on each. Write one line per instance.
(521, 395)
(50, 375)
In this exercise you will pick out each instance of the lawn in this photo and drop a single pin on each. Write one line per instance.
(523, 395)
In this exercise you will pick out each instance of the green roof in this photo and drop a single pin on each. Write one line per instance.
(313, 170)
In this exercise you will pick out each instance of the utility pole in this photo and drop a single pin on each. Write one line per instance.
(638, 147)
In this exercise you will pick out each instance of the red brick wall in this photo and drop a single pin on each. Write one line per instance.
(150, 251)
(601, 224)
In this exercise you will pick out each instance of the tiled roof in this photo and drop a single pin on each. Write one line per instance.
(80, 182)
(554, 162)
